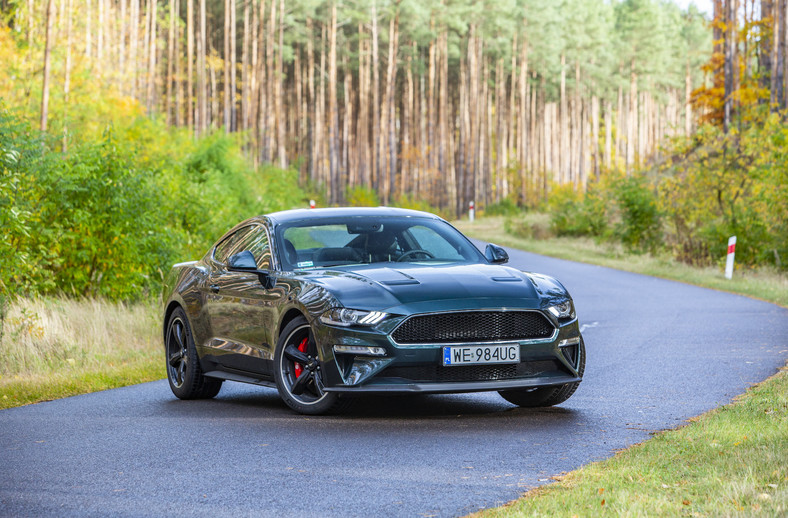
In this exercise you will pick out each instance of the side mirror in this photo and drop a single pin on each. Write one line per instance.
(244, 262)
(495, 254)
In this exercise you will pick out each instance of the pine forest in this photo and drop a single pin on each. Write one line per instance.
(452, 101)
(428, 103)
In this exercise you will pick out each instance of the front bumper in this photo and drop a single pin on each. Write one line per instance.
(455, 387)
(419, 369)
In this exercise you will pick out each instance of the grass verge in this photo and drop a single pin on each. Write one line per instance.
(764, 285)
(21, 390)
(53, 348)
(730, 461)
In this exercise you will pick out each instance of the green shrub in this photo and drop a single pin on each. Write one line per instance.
(361, 196)
(573, 213)
(505, 207)
(109, 216)
(640, 228)
(412, 202)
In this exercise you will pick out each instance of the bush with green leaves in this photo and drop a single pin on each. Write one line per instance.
(640, 228)
(361, 196)
(108, 217)
(573, 213)
(719, 184)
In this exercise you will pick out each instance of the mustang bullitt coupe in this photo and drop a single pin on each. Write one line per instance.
(325, 304)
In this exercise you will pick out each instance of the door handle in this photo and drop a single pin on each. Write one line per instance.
(214, 288)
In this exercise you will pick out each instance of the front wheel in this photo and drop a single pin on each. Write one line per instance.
(183, 366)
(298, 373)
(547, 396)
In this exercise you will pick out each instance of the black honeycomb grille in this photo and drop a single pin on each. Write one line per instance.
(473, 327)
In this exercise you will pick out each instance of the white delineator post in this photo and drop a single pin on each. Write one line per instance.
(471, 211)
(311, 204)
(731, 254)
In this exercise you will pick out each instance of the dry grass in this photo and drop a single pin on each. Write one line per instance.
(75, 346)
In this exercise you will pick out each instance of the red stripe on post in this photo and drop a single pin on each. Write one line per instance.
(731, 248)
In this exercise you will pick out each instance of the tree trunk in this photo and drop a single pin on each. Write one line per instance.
(312, 101)
(178, 71)
(347, 133)
(151, 95)
(67, 79)
(779, 58)
(280, 74)
(765, 45)
(688, 101)
(333, 117)
(376, 141)
(88, 25)
(100, 31)
(170, 65)
(729, 45)
(189, 63)
(245, 82)
(632, 116)
(608, 134)
(233, 67)
(391, 80)
(226, 82)
(562, 128)
(202, 86)
(134, 13)
(50, 19)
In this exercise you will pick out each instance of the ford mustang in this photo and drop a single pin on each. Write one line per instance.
(325, 304)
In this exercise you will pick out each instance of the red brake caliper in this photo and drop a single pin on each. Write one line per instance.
(301, 347)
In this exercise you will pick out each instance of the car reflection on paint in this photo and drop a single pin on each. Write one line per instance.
(326, 304)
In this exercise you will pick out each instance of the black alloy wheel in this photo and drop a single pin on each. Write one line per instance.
(298, 371)
(183, 366)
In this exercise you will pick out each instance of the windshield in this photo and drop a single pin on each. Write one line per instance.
(364, 240)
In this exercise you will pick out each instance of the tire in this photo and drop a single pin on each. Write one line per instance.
(306, 397)
(183, 365)
(547, 396)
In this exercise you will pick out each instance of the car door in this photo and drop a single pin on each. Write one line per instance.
(241, 309)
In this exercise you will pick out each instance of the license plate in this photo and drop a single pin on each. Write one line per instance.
(480, 354)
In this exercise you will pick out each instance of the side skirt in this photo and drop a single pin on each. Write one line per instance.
(243, 377)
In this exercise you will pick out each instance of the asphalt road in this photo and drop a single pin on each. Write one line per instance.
(659, 352)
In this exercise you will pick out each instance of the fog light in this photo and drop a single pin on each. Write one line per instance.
(569, 341)
(360, 349)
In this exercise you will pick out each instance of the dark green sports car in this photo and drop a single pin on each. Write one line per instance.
(325, 304)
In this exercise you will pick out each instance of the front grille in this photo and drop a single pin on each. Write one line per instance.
(473, 327)
(439, 373)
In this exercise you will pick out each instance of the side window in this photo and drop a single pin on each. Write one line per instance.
(252, 238)
(231, 245)
(258, 244)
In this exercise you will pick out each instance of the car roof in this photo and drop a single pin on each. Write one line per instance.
(345, 212)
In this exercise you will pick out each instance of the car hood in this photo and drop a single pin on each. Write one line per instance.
(413, 288)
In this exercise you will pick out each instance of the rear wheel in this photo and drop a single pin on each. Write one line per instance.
(547, 396)
(298, 372)
(183, 366)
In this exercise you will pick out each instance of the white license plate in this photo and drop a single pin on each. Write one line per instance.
(480, 354)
